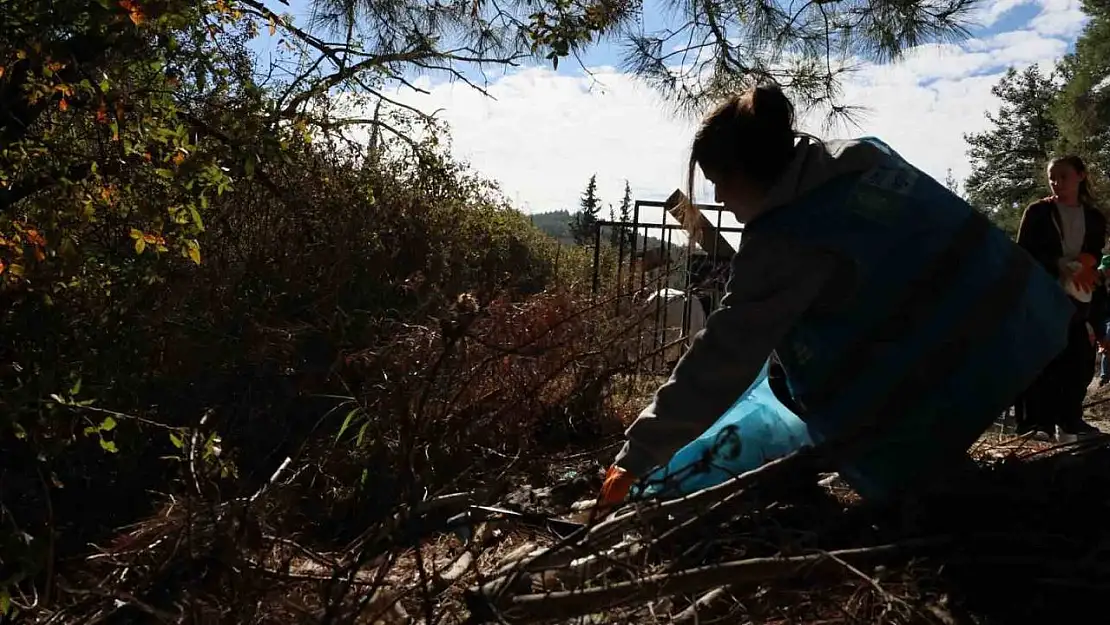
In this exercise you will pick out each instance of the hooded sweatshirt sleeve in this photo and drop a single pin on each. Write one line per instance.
(773, 283)
(1037, 235)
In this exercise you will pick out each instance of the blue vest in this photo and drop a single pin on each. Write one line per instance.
(946, 321)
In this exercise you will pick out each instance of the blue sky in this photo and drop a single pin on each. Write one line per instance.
(545, 132)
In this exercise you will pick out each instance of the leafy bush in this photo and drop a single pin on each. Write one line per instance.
(198, 281)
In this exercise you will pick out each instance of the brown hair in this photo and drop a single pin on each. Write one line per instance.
(751, 134)
(1086, 198)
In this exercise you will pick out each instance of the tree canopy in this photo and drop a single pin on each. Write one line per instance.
(1008, 159)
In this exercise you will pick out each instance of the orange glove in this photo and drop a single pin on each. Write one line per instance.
(1086, 276)
(615, 488)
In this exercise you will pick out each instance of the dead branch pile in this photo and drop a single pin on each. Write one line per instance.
(1025, 543)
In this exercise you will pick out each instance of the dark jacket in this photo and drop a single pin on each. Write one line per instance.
(1039, 235)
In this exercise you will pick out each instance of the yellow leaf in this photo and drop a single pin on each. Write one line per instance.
(273, 29)
(136, 234)
(16, 270)
(194, 254)
(140, 245)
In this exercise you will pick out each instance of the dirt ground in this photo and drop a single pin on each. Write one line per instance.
(1099, 413)
(549, 486)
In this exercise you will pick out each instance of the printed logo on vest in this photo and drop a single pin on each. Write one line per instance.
(875, 204)
(895, 179)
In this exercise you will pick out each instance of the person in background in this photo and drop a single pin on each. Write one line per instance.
(1104, 291)
(1066, 233)
(904, 322)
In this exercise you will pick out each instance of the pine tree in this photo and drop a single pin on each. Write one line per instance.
(810, 48)
(622, 216)
(1008, 160)
(625, 215)
(583, 223)
(1083, 109)
(951, 183)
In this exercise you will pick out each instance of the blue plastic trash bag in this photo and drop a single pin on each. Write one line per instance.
(758, 428)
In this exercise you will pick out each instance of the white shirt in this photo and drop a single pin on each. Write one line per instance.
(1073, 228)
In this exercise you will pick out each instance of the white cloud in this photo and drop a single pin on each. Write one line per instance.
(990, 11)
(1061, 18)
(544, 134)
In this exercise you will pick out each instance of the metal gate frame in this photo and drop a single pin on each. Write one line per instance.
(704, 279)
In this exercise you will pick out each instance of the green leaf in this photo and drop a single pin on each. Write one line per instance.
(197, 215)
(104, 86)
(108, 424)
(108, 446)
(176, 440)
(76, 388)
(347, 422)
(5, 601)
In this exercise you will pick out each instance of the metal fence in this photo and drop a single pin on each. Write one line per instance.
(664, 288)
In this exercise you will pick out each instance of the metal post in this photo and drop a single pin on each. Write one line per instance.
(597, 255)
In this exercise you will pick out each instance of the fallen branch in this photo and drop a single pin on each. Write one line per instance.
(465, 561)
(605, 534)
(562, 605)
(694, 613)
(445, 505)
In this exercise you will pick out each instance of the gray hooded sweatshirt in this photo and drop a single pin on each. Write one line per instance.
(774, 281)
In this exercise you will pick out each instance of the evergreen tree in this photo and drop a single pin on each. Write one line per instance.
(951, 183)
(726, 46)
(622, 216)
(584, 222)
(626, 217)
(1083, 109)
(1008, 160)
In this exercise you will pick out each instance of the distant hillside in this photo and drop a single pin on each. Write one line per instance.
(556, 224)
